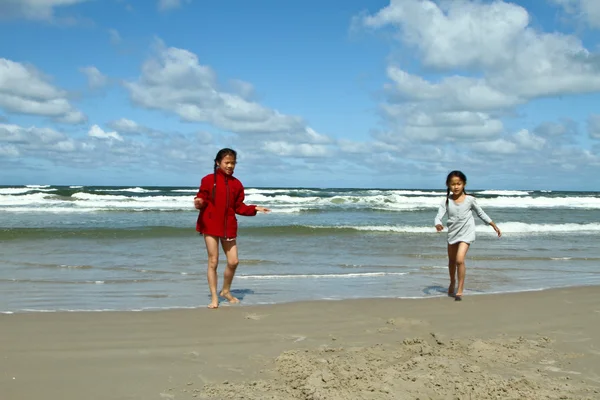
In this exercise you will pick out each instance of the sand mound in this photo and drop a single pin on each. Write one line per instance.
(417, 368)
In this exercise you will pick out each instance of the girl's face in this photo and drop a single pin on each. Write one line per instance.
(227, 164)
(456, 186)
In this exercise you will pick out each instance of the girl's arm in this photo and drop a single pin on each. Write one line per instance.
(203, 195)
(438, 218)
(484, 217)
(493, 225)
(247, 210)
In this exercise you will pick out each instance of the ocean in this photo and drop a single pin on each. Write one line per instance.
(87, 248)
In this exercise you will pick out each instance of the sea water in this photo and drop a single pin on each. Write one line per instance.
(66, 248)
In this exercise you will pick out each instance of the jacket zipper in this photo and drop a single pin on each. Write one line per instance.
(226, 204)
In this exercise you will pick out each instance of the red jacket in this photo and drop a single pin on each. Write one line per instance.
(217, 216)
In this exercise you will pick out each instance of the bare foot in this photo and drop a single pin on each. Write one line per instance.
(451, 290)
(214, 303)
(230, 298)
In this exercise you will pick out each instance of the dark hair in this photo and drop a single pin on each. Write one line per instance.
(454, 174)
(220, 155)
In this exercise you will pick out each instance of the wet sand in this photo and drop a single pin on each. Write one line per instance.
(527, 345)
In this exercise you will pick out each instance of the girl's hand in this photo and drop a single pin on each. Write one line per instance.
(439, 228)
(496, 229)
(198, 203)
(262, 209)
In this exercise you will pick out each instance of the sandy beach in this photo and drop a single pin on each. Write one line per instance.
(534, 345)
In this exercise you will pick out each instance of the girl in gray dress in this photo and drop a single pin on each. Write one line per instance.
(461, 228)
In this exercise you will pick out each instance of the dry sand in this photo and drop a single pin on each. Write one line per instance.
(536, 345)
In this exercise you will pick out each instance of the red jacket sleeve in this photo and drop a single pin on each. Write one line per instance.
(240, 207)
(205, 191)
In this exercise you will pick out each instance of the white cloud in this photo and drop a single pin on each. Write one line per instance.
(429, 125)
(593, 126)
(97, 132)
(556, 129)
(125, 125)
(115, 36)
(25, 90)
(458, 33)
(529, 141)
(100, 149)
(313, 136)
(451, 93)
(129, 127)
(484, 60)
(296, 150)
(244, 89)
(495, 38)
(95, 78)
(175, 81)
(33, 140)
(498, 146)
(9, 151)
(352, 147)
(587, 11)
(165, 5)
(33, 9)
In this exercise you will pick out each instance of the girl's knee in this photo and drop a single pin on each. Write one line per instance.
(233, 263)
(213, 262)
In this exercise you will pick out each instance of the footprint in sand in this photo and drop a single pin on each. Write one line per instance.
(595, 352)
(402, 322)
(254, 317)
(556, 369)
(295, 338)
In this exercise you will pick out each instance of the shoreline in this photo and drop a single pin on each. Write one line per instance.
(224, 304)
(549, 338)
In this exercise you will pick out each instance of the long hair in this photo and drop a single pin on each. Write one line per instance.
(454, 174)
(220, 155)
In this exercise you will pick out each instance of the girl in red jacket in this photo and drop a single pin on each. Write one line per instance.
(220, 197)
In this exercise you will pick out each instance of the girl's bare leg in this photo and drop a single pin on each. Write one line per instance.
(212, 248)
(461, 267)
(452, 249)
(231, 251)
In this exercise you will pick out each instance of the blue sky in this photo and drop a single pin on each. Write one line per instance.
(390, 94)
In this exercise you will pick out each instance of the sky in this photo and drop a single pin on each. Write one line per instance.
(310, 93)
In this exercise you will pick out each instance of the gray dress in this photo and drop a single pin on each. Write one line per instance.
(461, 224)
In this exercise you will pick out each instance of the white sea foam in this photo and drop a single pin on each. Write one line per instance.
(288, 210)
(519, 227)
(14, 191)
(251, 191)
(261, 198)
(132, 190)
(279, 200)
(506, 227)
(24, 200)
(392, 201)
(99, 197)
(503, 192)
